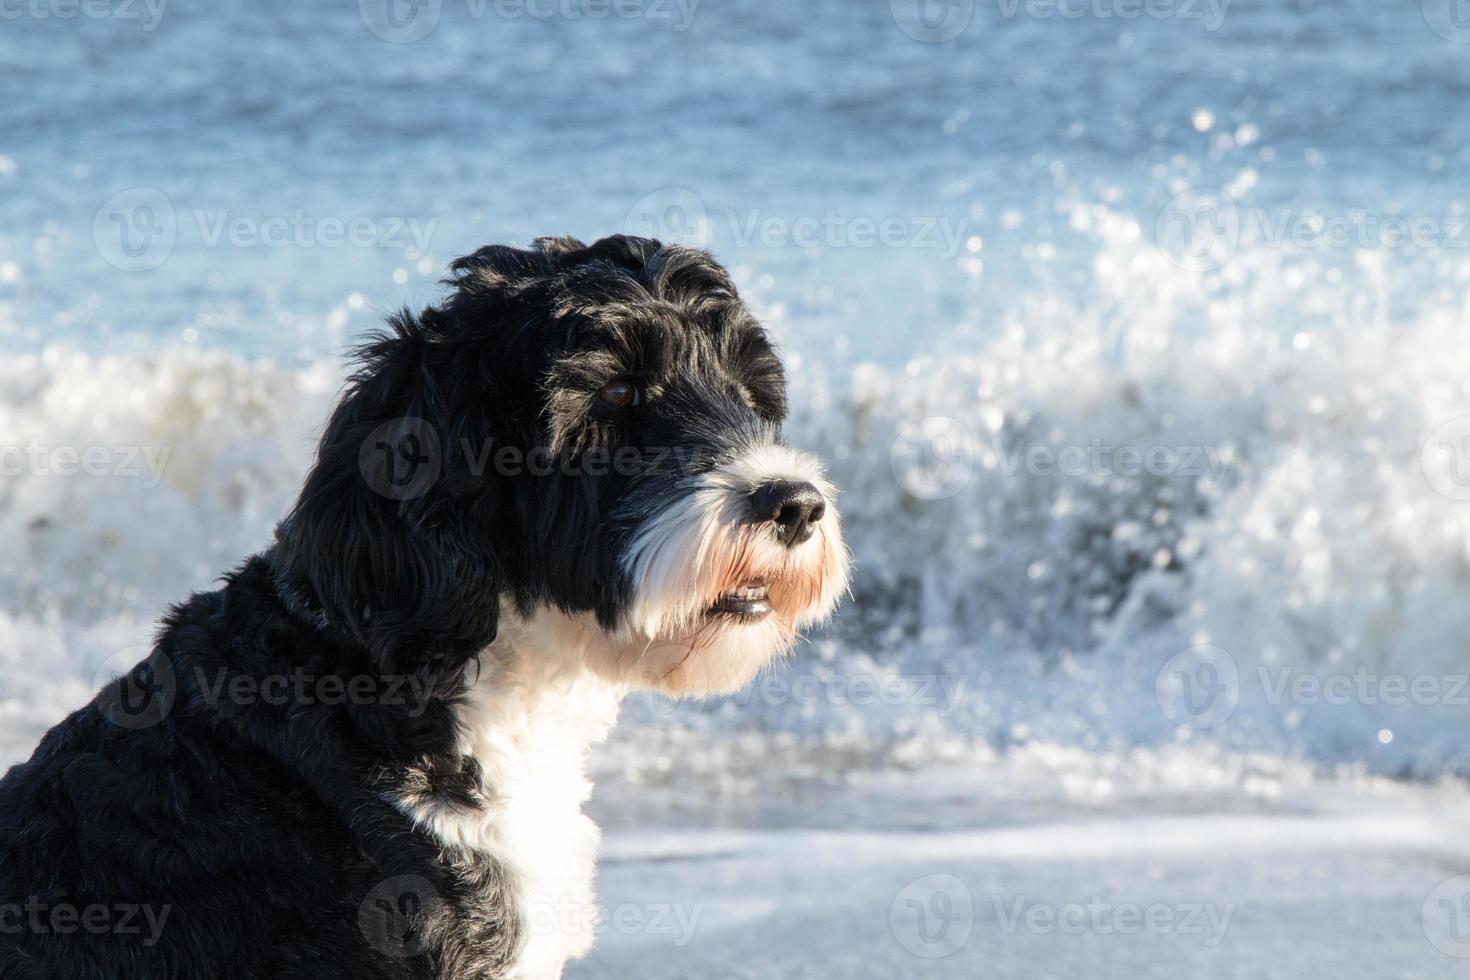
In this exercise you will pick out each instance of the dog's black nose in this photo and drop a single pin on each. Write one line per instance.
(795, 505)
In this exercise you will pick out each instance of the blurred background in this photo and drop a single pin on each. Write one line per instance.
(1133, 332)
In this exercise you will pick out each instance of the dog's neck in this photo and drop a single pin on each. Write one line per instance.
(531, 711)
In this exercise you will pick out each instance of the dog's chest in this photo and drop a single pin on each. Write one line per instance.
(529, 728)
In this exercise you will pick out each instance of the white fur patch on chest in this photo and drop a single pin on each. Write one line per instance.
(529, 720)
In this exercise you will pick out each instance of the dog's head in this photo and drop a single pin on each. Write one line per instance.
(593, 431)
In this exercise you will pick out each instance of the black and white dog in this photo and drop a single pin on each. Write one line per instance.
(364, 756)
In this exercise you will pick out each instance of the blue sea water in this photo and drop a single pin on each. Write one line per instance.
(793, 131)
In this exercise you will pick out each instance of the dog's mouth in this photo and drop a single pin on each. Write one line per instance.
(750, 601)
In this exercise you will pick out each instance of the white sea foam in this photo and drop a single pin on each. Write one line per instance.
(1172, 485)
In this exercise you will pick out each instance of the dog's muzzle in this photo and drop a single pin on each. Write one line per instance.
(754, 539)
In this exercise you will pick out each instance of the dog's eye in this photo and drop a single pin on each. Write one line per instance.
(619, 394)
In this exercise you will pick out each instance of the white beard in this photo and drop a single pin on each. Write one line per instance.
(704, 544)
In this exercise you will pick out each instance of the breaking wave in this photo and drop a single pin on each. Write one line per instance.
(1204, 519)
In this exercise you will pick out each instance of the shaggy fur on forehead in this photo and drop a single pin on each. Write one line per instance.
(621, 305)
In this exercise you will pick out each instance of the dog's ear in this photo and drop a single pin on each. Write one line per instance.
(375, 548)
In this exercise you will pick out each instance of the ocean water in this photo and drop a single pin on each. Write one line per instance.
(1134, 336)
